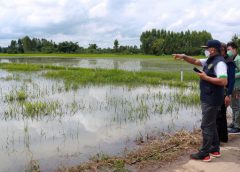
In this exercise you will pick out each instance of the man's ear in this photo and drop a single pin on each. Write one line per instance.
(235, 50)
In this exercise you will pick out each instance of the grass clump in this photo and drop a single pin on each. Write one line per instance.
(192, 98)
(158, 151)
(20, 95)
(74, 76)
(101, 76)
(28, 67)
(32, 109)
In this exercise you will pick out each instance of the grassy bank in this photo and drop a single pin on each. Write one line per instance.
(155, 151)
(73, 76)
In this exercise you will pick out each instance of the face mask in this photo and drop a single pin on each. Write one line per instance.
(229, 53)
(207, 53)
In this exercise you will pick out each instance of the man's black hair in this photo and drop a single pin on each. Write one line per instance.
(232, 44)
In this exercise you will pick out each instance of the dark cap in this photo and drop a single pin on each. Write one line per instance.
(212, 44)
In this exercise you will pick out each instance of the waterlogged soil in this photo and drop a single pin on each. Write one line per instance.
(134, 64)
(82, 122)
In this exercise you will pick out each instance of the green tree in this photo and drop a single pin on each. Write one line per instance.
(158, 46)
(68, 47)
(116, 45)
(20, 46)
(167, 42)
(236, 39)
(27, 44)
(92, 48)
(13, 49)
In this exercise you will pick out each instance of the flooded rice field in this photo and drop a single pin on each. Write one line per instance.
(44, 122)
(130, 64)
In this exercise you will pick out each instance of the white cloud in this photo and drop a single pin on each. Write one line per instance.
(102, 21)
(99, 10)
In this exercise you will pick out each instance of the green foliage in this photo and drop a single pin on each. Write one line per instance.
(10, 97)
(28, 67)
(116, 45)
(187, 99)
(19, 95)
(67, 47)
(159, 42)
(12, 49)
(236, 39)
(33, 109)
(155, 42)
(73, 76)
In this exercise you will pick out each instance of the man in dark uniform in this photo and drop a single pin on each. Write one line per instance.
(213, 78)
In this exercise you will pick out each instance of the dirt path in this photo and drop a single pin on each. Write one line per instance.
(229, 162)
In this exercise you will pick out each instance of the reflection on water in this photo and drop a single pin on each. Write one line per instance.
(89, 120)
(130, 64)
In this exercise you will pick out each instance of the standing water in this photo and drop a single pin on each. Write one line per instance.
(42, 121)
(130, 64)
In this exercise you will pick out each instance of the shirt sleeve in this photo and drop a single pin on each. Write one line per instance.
(203, 61)
(231, 78)
(221, 70)
(237, 62)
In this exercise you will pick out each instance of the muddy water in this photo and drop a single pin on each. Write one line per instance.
(86, 121)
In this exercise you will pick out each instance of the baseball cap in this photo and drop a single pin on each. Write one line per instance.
(212, 44)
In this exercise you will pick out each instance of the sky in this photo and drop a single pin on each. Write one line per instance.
(103, 21)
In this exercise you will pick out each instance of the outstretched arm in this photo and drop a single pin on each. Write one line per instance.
(188, 59)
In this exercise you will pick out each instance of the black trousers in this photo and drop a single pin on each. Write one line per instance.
(222, 124)
(209, 128)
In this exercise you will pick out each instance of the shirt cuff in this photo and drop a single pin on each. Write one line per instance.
(222, 76)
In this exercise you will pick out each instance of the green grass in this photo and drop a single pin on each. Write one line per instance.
(19, 95)
(80, 76)
(74, 76)
(39, 108)
(28, 67)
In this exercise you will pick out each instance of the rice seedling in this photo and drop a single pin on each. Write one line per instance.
(39, 108)
(10, 97)
(11, 77)
(191, 98)
(73, 77)
(11, 112)
(19, 95)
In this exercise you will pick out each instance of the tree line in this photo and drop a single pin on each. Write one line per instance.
(154, 42)
(36, 45)
(159, 42)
